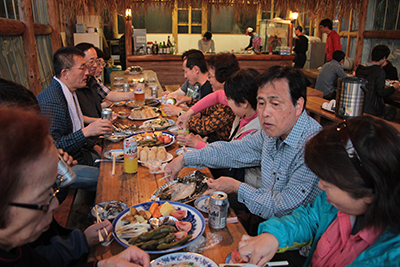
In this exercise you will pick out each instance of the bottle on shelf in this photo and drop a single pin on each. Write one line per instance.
(169, 46)
(154, 48)
(174, 48)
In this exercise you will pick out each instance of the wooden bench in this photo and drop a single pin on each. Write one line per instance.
(62, 213)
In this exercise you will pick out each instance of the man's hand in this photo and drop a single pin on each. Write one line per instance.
(97, 127)
(180, 99)
(67, 158)
(224, 184)
(130, 257)
(172, 110)
(183, 119)
(258, 249)
(92, 232)
(174, 167)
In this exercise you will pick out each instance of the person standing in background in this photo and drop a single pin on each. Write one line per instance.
(255, 40)
(332, 40)
(206, 43)
(300, 47)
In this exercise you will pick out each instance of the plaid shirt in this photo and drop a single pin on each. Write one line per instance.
(287, 183)
(101, 89)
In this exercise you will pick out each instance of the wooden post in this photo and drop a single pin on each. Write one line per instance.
(348, 33)
(29, 43)
(360, 36)
(290, 44)
(54, 24)
(175, 21)
(114, 22)
(128, 37)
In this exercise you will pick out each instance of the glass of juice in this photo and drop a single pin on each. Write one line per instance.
(139, 94)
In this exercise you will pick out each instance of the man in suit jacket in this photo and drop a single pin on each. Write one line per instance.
(59, 102)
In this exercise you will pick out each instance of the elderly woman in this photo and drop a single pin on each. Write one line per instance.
(28, 186)
(355, 222)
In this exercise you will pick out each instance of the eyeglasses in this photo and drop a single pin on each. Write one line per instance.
(102, 64)
(92, 61)
(45, 208)
(352, 153)
(82, 67)
(209, 76)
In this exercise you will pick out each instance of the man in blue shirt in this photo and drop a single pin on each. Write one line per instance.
(286, 181)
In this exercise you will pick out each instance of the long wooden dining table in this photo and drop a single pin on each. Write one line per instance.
(137, 188)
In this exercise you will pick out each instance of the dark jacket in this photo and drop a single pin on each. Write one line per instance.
(53, 104)
(89, 101)
(375, 75)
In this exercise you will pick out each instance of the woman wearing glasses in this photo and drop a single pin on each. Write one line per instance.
(28, 171)
(355, 222)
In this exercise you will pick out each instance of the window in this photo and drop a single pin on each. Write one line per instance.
(189, 18)
(224, 20)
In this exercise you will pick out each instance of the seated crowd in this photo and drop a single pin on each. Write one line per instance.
(310, 195)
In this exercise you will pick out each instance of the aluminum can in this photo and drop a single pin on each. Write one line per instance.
(126, 87)
(218, 210)
(154, 91)
(130, 155)
(64, 170)
(106, 114)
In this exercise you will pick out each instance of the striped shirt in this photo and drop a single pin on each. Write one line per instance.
(287, 183)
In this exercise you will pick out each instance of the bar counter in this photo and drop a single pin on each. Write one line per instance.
(169, 67)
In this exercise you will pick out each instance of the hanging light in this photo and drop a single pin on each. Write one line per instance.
(128, 13)
(293, 15)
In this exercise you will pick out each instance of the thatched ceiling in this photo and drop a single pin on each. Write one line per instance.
(324, 8)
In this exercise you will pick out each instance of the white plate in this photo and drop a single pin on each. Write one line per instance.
(116, 139)
(332, 111)
(147, 124)
(143, 119)
(193, 216)
(168, 159)
(118, 78)
(178, 257)
(129, 104)
(201, 202)
(173, 129)
(119, 104)
(180, 150)
(119, 154)
(118, 83)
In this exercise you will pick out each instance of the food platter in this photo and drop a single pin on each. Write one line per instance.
(115, 138)
(134, 70)
(131, 104)
(193, 259)
(183, 189)
(151, 102)
(159, 124)
(142, 135)
(143, 113)
(108, 209)
(119, 154)
(193, 216)
(119, 103)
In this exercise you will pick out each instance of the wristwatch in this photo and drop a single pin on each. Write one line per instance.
(181, 112)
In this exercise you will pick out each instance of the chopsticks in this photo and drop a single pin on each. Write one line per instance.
(166, 176)
(101, 239)
(113, 165)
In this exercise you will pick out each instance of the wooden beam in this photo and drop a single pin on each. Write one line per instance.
(395, 34)
(175, 21)
(360, 37)
(348, 33)
(128, 37)
(30, 49)
(114, 22)
(55, 35)
(42, 29)
(11, 27)
(352, 34)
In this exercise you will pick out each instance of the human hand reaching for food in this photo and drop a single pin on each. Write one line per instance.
(258, 249)
(224, 184)
(183, 119)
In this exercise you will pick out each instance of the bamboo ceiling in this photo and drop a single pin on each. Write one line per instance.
(313, 8)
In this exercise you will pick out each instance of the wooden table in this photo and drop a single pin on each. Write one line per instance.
(129, 78)
(137, 188)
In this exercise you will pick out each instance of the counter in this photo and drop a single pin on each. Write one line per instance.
(169, 67)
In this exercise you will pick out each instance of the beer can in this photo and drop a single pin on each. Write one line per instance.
(126, 87)
(64, 170)
(130, 155)
(154, 91)
(106, 114)
(218, 210)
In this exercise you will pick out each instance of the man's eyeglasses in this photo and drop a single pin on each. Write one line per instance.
(102, 64)
(92, 61)
(44, 208)
(352, 153)
(209, 76)
(82, 67)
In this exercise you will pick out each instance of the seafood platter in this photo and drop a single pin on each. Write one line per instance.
(124, 129)
(154, 138)
(159, 124)
(159, 226)
(183, 189)
(151, 102)
(108, 209)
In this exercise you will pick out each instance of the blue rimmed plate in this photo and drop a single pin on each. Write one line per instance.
(155, 124)
(193, 259)
(193, 216)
